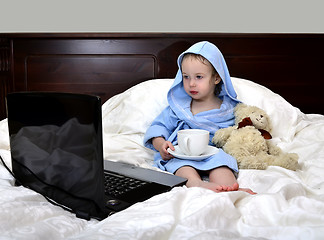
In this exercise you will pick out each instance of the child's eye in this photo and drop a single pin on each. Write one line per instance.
(199, 77)
(185, 77)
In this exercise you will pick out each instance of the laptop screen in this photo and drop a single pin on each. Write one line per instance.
(56, 148)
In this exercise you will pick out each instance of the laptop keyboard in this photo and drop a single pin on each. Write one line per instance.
(117, 185)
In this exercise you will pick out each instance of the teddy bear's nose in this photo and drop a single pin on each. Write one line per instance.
(261, 116)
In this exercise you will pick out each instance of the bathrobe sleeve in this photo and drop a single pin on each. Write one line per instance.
(162, 126)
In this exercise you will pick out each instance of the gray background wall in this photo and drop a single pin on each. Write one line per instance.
(245, 16)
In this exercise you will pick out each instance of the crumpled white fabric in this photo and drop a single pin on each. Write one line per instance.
(289, 204)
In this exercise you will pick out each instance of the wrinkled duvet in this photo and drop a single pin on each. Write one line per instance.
(289, 204)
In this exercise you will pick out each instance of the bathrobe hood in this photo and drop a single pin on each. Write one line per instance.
(180, 101)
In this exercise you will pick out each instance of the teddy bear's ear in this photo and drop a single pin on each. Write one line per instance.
(245, 122)
(240, 106)
(239, 112)
(265, 134)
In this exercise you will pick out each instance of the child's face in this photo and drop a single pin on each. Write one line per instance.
(198, 79)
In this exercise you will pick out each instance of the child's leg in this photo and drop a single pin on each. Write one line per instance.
(194, 179)
(189, 173)
(226, 181)
(224, 178)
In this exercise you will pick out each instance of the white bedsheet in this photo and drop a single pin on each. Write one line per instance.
(289, 204)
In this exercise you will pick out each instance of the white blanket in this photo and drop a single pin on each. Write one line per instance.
(289, 204)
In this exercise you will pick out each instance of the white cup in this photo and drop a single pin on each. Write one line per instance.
(193, 142)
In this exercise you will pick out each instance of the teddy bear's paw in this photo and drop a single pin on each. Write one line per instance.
(274, 150)
(251, 162)
(221, 136)
(256, 166)
(292, 161)
(288, 161)
(290, 165)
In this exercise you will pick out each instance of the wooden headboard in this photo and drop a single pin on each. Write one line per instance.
(105, 64)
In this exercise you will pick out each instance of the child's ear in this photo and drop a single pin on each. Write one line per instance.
(217, 79)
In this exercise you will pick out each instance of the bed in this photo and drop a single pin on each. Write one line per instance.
(132, 72)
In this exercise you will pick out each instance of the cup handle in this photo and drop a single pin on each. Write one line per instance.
(186, 145)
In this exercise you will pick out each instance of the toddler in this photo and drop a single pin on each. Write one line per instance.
(201, 97)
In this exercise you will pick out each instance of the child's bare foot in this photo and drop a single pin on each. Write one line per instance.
(235, 187)
(203, 184)
(226, 188)
(226, 180)
(247, 190)
(212, 186)
(221, 180)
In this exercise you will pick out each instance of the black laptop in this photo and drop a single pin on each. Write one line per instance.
(56, 149)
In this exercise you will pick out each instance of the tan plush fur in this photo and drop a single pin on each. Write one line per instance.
(248, 146)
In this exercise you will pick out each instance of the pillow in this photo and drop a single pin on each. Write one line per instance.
(4, 133)
(284, 116)
(126, 117)
(132, 111)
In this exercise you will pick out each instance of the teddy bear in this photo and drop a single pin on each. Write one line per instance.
(249, 141)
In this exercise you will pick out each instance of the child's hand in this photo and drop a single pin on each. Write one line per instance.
(164, 150)
(161, 145)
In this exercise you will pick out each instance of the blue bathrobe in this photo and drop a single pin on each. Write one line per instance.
(178, 115)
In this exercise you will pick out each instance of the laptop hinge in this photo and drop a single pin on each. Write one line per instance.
(82, 215)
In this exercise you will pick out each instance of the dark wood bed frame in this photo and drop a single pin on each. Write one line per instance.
(105, 64)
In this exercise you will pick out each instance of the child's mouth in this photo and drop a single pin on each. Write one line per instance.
(194, 92)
